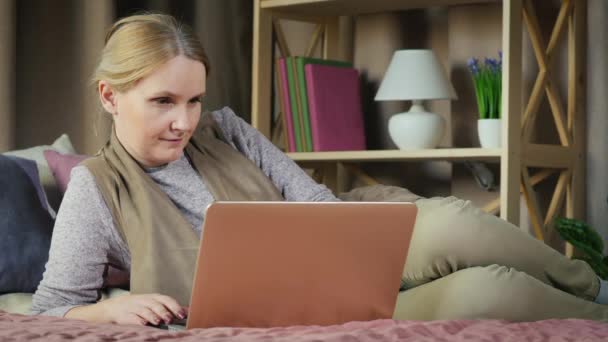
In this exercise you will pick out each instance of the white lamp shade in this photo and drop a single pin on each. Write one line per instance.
(415, 75)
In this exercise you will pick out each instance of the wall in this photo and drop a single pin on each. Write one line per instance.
(597, 116)
(226, 31)
(54, 62)
(7, 74)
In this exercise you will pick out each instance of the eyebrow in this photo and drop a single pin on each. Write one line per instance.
(170, 94)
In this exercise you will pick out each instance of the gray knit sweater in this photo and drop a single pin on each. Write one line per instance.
(87, 253)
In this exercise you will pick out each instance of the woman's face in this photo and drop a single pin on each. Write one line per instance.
(155, 119)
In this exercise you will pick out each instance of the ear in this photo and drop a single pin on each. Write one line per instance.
(107, 96)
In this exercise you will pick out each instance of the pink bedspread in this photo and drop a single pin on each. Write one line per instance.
(28, 328)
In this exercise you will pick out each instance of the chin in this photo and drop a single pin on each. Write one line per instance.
(174, 156)
(168, 157)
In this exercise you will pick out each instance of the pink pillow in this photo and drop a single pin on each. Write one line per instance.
(61, 165)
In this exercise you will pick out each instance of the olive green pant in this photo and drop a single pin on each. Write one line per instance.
(466, 264)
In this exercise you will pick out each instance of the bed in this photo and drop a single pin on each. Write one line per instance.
(16, 327)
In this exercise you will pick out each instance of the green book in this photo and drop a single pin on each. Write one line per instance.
(293, 98)
(301, 89)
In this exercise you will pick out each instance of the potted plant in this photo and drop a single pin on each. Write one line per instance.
(487, 79)
(587, 242)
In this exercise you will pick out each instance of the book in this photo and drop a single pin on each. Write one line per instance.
(283, 85)
(293, 98)
(301, 89)
(298, 105)
(336, 116)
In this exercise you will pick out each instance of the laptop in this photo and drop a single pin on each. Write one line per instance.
(272, 264)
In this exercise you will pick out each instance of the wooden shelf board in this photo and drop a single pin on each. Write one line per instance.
(353, 7)
(548, 156)
(450, 154)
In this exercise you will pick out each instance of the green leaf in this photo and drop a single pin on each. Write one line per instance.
(583, 232)
(488, 92)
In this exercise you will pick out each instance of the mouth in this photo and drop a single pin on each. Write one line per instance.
(173, 141)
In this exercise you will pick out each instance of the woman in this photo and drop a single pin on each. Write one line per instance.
(132, 215)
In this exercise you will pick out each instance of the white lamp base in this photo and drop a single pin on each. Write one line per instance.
(416, 129)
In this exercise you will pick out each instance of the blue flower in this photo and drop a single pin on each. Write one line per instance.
(473, 64)
(492, 64)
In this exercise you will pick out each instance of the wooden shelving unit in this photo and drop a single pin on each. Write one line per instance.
(352, 7)
(517, 155)
(452, 154)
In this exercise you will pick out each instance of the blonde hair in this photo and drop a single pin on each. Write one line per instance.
(137, 45)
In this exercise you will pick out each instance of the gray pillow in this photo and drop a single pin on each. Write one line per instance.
(61, 145)
(25, 227)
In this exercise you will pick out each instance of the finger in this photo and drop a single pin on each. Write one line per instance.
(161, 311)
(148, 315)
(172, 305)
(131, 318)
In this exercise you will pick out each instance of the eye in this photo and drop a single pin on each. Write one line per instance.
(162, 100)
(196, 100)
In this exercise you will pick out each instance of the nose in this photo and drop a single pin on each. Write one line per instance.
(181, 120)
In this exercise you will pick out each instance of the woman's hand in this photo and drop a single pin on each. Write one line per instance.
(142, 309)
(131, 309)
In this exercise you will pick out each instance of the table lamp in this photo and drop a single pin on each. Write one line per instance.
(415, 75)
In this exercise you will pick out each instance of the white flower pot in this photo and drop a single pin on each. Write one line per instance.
(489, 132)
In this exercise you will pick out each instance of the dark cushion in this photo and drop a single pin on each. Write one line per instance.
(63, 145)
(25, 230)
(31, 169)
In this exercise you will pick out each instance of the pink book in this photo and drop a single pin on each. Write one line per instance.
(334, 99)
(291, 140)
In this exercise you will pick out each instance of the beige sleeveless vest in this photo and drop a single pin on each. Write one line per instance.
(162, 243)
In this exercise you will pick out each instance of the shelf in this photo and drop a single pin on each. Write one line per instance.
(517, 154)
(450, 154)
(353, 7)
